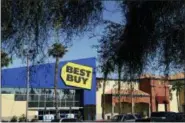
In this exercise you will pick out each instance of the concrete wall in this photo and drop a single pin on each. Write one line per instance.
(10, 107)
(161, 107)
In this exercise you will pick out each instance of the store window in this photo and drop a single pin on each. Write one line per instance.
(45, 97)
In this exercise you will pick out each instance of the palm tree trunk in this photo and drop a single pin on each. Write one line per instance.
(178, 104)
(55, 88)
(132, 100)
(184, 79)
(103, 106)
(184, 72)
(165, 86)
(119, 89)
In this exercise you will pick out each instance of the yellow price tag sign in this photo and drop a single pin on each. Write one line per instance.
(77, 75)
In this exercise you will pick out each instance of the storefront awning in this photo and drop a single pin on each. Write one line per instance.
(112, 96)
(127, 92)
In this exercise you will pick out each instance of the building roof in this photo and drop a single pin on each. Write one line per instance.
(151, 76)
(177, 76)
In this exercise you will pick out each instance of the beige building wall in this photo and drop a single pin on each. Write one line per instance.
(10, 107)
(110, 84)
(161, 107)
(173, 102)
(99, 92)
(180, 76)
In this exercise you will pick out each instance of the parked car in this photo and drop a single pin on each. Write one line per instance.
(125, 118)
(180, 117)
(56, 120)
(69, 120)
(66, 120)
(163, 117)
(143, 120)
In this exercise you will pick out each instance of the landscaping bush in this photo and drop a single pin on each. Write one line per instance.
(14, 119)
(4, 121)
(22, 118)
(35, 119)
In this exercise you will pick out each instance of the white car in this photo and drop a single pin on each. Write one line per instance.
(125, 118)
(69, 120)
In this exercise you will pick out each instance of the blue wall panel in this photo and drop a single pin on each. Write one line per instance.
(42, 76)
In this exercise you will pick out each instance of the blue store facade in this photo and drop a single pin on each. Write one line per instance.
(41, 89)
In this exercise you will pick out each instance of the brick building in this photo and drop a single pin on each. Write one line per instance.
(158, 89)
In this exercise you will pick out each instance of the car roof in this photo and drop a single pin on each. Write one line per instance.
(67, 118)
(119, 114)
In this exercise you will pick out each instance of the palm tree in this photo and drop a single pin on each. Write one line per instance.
(57, 51)
(106, 68)
(178, 86)
(119, 64)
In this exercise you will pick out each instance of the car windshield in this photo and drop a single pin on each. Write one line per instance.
(117, 118)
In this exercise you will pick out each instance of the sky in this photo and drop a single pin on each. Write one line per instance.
(82, 47)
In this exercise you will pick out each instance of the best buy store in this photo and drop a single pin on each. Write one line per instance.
(76, 89)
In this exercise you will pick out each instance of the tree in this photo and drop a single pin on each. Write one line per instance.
(57, 51)
(178, 87)
(5, 60)
(119, 86)
(118, 65)
(151, 28)
(32, 22)
(106, 69)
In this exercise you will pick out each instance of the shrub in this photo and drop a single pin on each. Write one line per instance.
(34, 120)
(22, 118)
(14, 119)
(4, 121)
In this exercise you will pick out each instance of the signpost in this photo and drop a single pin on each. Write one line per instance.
(77, 75)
